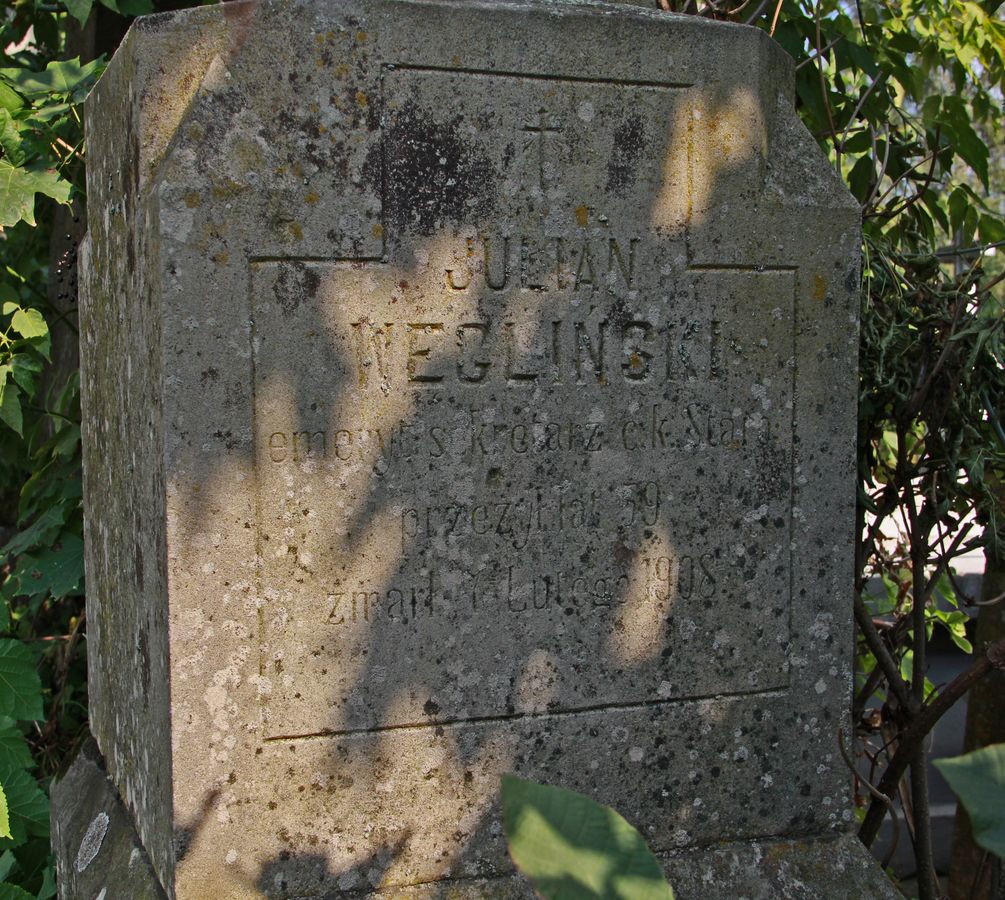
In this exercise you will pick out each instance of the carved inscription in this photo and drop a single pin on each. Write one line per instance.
(532, 438)
(504, 587)
(693, 428)
(535, 263)
(632, 351)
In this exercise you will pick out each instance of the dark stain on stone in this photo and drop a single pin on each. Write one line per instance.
(143, 651)
(622, 167)
(138, 565)
(296, 283)
(432, 173)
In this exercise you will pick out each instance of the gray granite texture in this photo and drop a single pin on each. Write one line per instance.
(468, 388)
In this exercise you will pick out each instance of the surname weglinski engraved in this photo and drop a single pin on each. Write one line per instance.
(539, 134)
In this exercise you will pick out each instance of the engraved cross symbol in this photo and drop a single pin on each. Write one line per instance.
(539, 135)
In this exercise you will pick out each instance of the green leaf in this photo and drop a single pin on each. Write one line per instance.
(42, 531)
(969, 145)
(62, 566)
(25, 368)
(79, 9)
(13, 892)
(48, 888)
(7, 862)
(31, 325)
(10, 407)
(28, 807)
(14, 751)
(20, 686)
(992, 229)
(4, 815)
(572, 848)
(18, 188)
(10, 99)
(860, 178)
(64, 76)
(48, 112)
(129, 7)
(978, 779)
(10, 139)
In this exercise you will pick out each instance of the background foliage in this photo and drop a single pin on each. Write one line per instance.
(42, 665)
(905, 96)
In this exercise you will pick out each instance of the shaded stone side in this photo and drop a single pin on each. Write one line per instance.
(130, 118)
(98, 852)
(122, 438)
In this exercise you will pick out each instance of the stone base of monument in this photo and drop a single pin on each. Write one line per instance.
(100, 855)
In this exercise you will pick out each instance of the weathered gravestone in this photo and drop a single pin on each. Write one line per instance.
(468, 388)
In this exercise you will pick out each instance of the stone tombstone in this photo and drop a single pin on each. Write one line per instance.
(469, 388)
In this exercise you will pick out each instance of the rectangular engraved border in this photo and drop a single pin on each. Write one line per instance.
(775, 689)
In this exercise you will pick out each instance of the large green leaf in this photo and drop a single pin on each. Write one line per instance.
(18, 188)
(61, 566)
(28, 807)
(42, 531)
(10, 403)
(65, 76)
(978, 779)
(14, 750)
(20, 687)
(13, 892)
(29, 323)
(79, 9)
(572, 848)
(10, 99)
(25, 369)
(10, 138)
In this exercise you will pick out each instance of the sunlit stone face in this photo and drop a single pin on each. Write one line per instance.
(504, 360)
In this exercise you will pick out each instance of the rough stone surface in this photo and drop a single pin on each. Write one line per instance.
(468, 388)
(838, 867)
(98, 852)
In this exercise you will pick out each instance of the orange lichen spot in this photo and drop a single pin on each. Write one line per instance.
(341, 70)
(192, 199)
(361, 100)
(221, 258)
(819, 288)
(377, 230)
(296, 231)
(361, 37)
(456, 61)
(311, 198)
(583, 215)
